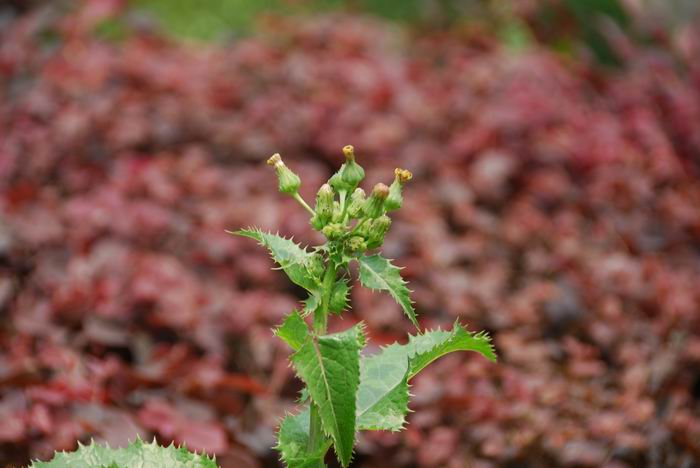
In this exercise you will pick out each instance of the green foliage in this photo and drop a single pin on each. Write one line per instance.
(294, 260)
(339, 297)
(424, 348)
(329, 365)
(346, 392)
(376, 272)
(382, 399)
(293, 331)
(383, 394)
(138, 453)
(293, 440)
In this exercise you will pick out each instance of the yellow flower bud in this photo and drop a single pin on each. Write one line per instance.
(289, 182)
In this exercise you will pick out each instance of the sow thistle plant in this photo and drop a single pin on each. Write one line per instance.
(346, 391)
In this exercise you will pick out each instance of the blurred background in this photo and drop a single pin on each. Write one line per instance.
(556, 204)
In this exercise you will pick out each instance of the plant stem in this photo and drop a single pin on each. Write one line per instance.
(303, 203)
(320, 324)
(342, 194)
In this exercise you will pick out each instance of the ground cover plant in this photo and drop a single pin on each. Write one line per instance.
(346, 391)
(552, 204)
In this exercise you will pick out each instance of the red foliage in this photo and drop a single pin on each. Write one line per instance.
(553, 205)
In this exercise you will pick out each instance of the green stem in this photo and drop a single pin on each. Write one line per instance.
(343, 206)
(303, 203)
(316, 436)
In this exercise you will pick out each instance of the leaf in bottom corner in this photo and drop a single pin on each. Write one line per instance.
(137, 453)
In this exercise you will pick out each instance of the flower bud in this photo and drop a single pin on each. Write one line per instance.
(395, 199)
(357, 201)
(350, 174)
(324, 203)
(364, 229)
(357, 244)
(349, 152)
(336, 181)
(317, 223)
(333, 231)
(402, 175)
(374, 205)
(377, 231)
(289, 182)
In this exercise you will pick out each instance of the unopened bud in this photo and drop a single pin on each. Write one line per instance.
(377, 231)
(274, 160)
(324, 203)
(333, 231)
(317, 223)
(357, 201)
(402, 175)
(395, 199)
(374, 206)
(380, 190)
(349, 152)
(289, 182)
(357, 244)
(350, 174)
(336, 181)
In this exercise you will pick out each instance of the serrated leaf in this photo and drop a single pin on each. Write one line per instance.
(382, 399)
(293, 330)
(339, 297)
(303, 396)
(329, 365)
(293, 442)
(294, 260)
(311, 304)
(138, 453)
(424, 348)
(376, 272)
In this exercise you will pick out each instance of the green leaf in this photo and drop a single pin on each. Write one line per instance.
(339, 297)
(382, 399)
(138, 453)
(311, 304)
(376, 272)
(303, 396)
(293, 330)
(424, 348)
(294, 260)
(293, 442)
(329, 365)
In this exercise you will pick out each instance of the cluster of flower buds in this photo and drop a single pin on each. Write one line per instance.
(340, 202)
